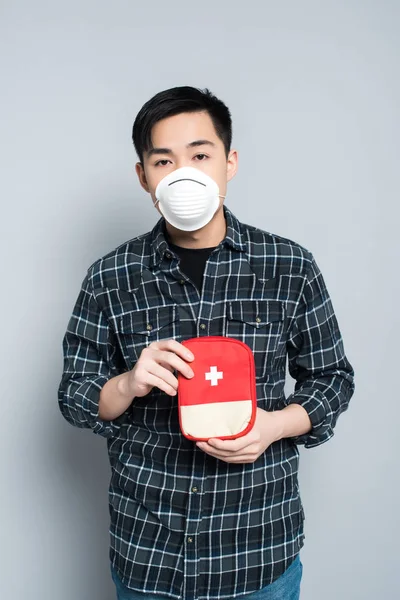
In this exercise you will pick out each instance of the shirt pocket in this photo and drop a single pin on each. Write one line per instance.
(138, 329)
(259, 324)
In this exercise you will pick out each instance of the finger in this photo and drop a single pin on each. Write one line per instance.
(158, 382)
(174, 346)
(249, 450)
(232, 458)
(162, 373)
(174, 361)
(230, 446)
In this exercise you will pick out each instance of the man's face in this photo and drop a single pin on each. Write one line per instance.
(186, 140)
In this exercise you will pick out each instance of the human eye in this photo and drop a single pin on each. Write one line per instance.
(162, 163)
(201, 157)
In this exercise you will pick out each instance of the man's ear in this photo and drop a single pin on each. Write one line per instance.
(142, 176)
(231, 165)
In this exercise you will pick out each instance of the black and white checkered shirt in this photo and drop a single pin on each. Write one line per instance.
(184, 524)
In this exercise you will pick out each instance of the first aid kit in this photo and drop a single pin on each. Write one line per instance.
(220, 400)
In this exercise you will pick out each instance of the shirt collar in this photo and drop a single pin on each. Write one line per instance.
(233, 237)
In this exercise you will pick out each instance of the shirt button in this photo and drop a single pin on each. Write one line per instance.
(190, 540)
(195, 489)
(149, 326)
(168, 254)
(258, 320)
(202, 326)
(182, 282)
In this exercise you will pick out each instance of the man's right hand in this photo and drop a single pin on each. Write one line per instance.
(154, 368)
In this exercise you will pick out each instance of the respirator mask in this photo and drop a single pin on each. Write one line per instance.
(188, 198)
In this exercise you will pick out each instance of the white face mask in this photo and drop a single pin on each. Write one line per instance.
(188, 198)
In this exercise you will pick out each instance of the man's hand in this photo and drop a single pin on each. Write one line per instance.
(248, 448)
(154, 368)
(269, 427)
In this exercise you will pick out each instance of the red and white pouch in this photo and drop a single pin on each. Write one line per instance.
(220, 400)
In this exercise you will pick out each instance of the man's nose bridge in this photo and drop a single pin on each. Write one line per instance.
(182, 162)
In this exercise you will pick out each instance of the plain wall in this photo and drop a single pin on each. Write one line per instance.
(314, 92)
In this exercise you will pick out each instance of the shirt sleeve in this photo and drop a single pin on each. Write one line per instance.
(316, 360)
(89, 362)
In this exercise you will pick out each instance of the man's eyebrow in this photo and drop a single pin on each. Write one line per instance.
(200, 143)
(194, 144)
(159, 151)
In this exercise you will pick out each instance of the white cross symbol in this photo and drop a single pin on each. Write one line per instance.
(213, 375)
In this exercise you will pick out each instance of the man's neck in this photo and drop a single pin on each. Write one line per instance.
(208, 236)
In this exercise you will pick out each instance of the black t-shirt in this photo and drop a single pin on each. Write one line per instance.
(192, 262)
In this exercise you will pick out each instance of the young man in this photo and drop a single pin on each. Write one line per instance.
(221, 518)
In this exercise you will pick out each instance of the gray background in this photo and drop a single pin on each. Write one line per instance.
(314, 92)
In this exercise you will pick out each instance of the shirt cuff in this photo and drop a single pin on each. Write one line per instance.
(319, 412)
(89, 394)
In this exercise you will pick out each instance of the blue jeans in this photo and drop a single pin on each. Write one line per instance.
(286, 587)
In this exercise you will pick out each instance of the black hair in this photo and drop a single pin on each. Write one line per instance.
(173, 102)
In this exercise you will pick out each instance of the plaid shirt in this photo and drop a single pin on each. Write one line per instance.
(184, 524)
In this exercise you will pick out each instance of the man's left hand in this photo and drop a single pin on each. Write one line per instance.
(248, 448)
